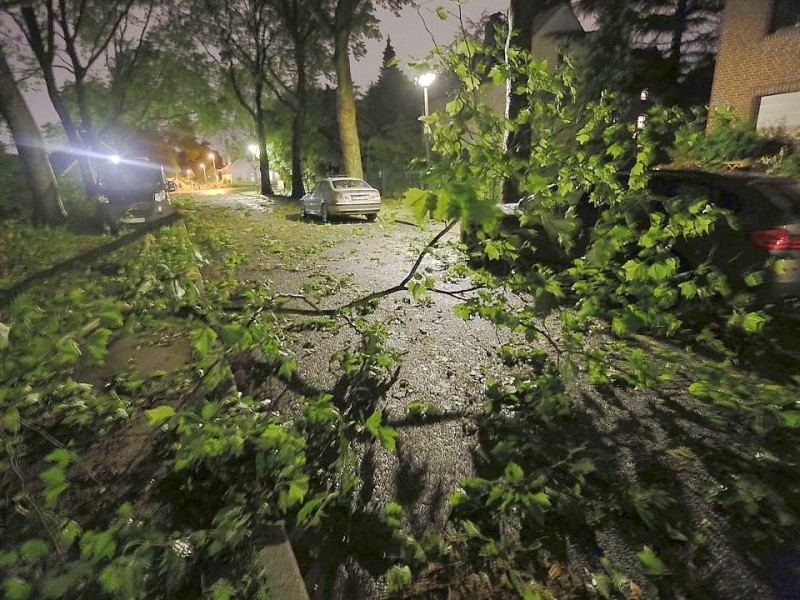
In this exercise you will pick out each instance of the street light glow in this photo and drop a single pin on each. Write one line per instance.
(254, 149)
(426, 79)
(115, 158)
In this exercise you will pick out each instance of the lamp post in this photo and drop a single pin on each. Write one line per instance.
(205, 179)
(189, 177)
(424, 81)
(213, 160)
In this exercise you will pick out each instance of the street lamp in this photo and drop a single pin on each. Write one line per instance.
(205, 179)
(424, 81)
(213, 160)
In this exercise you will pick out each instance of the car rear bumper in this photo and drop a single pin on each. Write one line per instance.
(354, 208)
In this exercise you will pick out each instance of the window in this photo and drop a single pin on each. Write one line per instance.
(785, 13)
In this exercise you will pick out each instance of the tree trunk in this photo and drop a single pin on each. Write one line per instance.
(71, 130)
(346, 106)
(298, 124)
(47, 206)
(679, 28)
(263, 159)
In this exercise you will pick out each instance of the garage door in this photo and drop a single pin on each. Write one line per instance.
(779, 110)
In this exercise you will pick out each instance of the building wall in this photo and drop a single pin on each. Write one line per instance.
(751, 61)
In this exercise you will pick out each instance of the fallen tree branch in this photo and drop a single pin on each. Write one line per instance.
(374, 295)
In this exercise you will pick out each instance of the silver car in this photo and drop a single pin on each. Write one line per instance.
(341, 196)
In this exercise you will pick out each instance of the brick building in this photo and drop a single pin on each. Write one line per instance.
(758, 62)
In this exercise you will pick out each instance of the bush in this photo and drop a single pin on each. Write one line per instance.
(734, 139)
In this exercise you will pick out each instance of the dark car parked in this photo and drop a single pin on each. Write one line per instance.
(130, 192)
(767, 210)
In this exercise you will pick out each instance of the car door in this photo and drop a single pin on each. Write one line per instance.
(316, 198)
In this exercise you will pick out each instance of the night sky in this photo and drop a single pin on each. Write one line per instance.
(409, 36)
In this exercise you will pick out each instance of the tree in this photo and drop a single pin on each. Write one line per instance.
(79, 38)
(393, 137)
(47, 206)
(303, 38)
(240, 36)
(345, 21)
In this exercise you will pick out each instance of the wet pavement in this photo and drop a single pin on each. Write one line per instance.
(446, 362)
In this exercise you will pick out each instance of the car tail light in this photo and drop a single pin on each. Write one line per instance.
(775, 239)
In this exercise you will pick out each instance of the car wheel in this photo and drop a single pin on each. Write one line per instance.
(371, 216)
(323, 213)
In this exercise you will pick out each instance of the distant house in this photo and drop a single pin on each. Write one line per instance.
(758, 62)
(246, 171)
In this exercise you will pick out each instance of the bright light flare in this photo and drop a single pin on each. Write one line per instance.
(426, 79)
(115, 159)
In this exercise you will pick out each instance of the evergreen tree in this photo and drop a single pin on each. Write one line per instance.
(654, 44)
(389, 118)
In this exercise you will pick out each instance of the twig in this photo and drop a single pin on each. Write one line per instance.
(12, 460)
(374, 295)
(458, 294)
(57, 444)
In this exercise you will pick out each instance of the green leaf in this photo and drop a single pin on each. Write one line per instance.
(54, 484)
(61, 456)
(388, 438)
(10, 420)
(399, 578)
(209, 411)
(287, 369)
(110, 316)
(650, 563)
(233, 334)
(698, 388)
(34, 549)
(421, 202)
(373, 423)
(203, 339)
(414, 408)
(514, 472)
(688, 289)
(97, 545)
(156, 416)
(16, 588)
(70, 530)
(471, 530)
(791, 418)
(111, 578)
(222, 589)
(754, 322)
(307, 508)
(542, 499)
(441, 13)
(492, 250)
(525, 591)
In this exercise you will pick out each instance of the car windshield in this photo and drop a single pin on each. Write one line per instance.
(343, 184)
(130, 175)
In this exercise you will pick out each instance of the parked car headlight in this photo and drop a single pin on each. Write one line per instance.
(160, 196)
